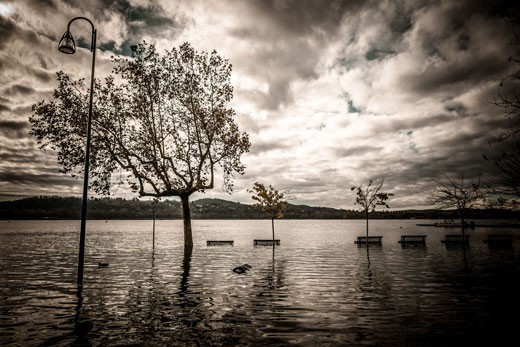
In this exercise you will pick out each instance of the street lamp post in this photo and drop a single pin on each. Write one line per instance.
(68, 46)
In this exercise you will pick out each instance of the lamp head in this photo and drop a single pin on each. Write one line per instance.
(67, 44)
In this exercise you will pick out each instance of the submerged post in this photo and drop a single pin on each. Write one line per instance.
(153, 230)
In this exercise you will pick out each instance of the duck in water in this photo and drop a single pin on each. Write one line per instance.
(242, 268)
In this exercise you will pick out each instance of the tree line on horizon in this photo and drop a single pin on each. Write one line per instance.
(55, 207)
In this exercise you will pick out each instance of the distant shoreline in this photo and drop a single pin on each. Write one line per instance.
(68, 208)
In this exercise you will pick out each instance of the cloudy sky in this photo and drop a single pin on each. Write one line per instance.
(332, 93)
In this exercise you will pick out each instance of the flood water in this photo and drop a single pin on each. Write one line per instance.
(316, 289)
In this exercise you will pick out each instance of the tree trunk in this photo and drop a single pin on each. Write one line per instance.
(186, 265)
(186, 216)
(272, 225)
(153, 230)
(462, 222)
(366, 215)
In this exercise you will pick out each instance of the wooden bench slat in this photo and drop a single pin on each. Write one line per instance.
(499, 238)
(220, 243)
(455, 239)
(413, 239)
(266, 242)
(369, 239)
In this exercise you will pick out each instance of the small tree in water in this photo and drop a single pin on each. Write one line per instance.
(370, 197)
(272, 202)
(165, 127)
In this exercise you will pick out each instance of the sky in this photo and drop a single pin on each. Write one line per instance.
(332, 93)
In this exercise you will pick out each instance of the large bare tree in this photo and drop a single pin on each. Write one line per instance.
(459, 194)
(161, 122)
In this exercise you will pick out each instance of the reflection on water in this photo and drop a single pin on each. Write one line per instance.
(317, 288)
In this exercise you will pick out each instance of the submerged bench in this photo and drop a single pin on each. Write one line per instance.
(220, 243)
(374, 240)
(416, 239)
(266, 242)
(502, 239)
(456, 239)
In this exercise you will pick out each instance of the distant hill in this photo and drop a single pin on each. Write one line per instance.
(54, 207)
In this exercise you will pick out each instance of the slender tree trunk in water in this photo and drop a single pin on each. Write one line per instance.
(153, 231)
(366, 214)
(272, 225)
(186, 265)
(462, 225)
(186, 216)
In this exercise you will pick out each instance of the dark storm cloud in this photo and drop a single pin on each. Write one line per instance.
(473, 139)
(456, 107)
(283, 61)
(42, 75)
(42, 5)
(460, 49)
(7, 30)
(151, 17)
(356, 151)
(28, 177)
(151, 14)
(24, 159)
(18, 89)
(124, 48)
(141, 20)
(396, 125)
(446, 76)
(148, 17)
(13, 129)
(455, 157)
(261, 146)
(376, 53)
(303, 17)
(289, 43)
(411, 179)
(11, 31)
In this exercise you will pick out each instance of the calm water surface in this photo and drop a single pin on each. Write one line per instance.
(317, 289)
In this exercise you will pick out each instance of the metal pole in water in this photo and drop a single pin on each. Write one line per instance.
(67, 45)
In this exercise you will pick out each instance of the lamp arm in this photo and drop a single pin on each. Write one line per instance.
(94, 31)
